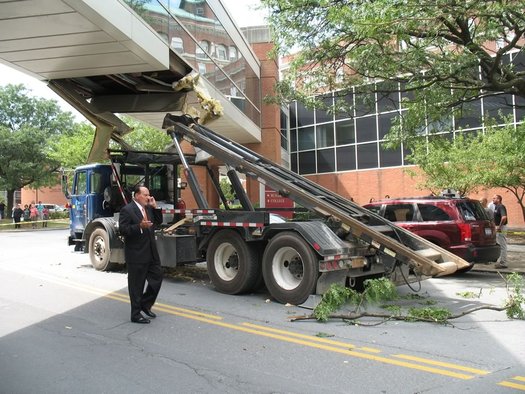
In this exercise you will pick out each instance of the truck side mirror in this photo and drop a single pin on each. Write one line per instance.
(65, 189)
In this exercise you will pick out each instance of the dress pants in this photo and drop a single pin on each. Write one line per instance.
(138, 274)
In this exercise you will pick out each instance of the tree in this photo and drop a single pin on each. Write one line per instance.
(72, 150)
(500, 156)
(18, 109)
(27, 125)
(227, 189)
(430, 50)
(446, 164)
(489, 160)
(145, 137)
(24, 161)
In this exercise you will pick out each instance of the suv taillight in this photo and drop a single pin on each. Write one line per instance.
(466, 231)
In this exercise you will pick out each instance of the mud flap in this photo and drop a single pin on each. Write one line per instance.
(327, 278)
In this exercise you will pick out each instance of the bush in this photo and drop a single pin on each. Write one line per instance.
(59, 215)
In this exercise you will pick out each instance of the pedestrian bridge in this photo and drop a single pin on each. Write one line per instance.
(105, 57)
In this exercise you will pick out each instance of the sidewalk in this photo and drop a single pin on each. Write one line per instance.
(515, 254)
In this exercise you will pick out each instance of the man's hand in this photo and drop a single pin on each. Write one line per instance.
(152, 203)
(145, 224)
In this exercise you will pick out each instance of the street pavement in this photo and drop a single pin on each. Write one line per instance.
(516, 253)
(515, 263)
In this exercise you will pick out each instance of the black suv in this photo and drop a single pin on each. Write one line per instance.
(459, 225)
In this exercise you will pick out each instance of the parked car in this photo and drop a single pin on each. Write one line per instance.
(459, 225)
(54, 208)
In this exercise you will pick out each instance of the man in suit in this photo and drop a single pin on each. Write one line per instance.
(136, 223)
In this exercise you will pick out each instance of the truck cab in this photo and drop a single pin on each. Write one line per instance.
(87, 199)
(99, 191)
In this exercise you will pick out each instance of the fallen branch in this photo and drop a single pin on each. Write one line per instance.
(358, 315)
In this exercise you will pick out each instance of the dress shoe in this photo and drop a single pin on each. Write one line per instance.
(140, 320)
(149, 313)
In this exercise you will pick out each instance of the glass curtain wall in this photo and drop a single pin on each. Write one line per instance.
(192, 29)
(324, 143)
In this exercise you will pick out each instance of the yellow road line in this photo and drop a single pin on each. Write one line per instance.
(442, 364)
(512, 385)
(311, 338)
(211, 319)
(520, 378)
(170, 308)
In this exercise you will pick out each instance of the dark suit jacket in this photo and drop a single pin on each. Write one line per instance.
(139, 244)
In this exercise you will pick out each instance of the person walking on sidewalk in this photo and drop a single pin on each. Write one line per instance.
(500, 219)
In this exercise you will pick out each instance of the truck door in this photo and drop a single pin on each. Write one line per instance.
(79, 202)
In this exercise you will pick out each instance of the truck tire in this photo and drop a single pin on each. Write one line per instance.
(99, 249)
(232, 264)
(290, 268)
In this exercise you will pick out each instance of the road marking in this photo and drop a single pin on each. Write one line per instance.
(512, 385)
(442, 364)
(105, 293)
(281, 335)
(520, 378)
(312, 338)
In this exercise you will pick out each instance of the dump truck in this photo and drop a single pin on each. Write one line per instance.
(245, 247)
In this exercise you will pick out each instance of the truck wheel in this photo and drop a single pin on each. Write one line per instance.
(99, 249)
(290, 268)
(232, 263)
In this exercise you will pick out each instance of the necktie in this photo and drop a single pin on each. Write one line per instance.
(144, 214)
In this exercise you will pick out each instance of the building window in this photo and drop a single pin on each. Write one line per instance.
(326, 160)
(325, 115)
(199, 11)
(306, 138)
(284, 129)
(202, 48)
(233, 53)
(387, 96)
(293, 163)
(307, 162)
(293, 140)
(366, 129)
(367, 156)
(385, 123)
(177, 44)
(305, 116)
(202, 68)
(325, 135)
(498, 107)
(470, 115)
(221, 52)
(346, 158)
(344, 102)
(345, 133)
(389, 157)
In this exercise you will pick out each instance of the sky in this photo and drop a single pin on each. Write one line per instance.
(244, 12)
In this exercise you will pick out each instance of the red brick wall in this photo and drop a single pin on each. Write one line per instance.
(364, 185)
(48, 195)
(270, 147)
